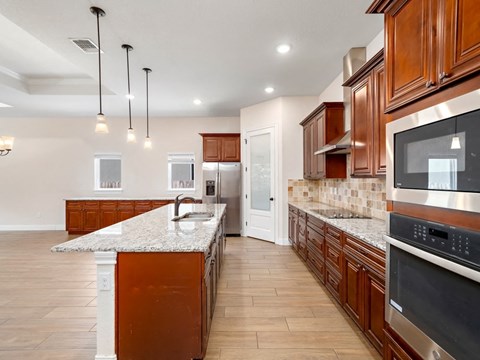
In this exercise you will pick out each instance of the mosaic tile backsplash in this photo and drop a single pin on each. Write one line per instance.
(364, 196)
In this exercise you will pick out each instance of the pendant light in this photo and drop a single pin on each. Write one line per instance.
(148, 141)
(130, 133)
(455, 139)
(101, 126)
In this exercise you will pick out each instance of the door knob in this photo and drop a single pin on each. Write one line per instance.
(271, 199)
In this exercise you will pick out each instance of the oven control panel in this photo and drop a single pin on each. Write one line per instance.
(457, 244)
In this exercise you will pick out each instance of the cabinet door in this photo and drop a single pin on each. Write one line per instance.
(380, 121)
(108, 213)
(307, 152)
(362, 128)
(231, 149)
(142, 206)
(302, 239)
(320, 141)
(91, 217)
(212, 148)
(410, 52)
(333, 283)
(74, 216)
(461, 53)
(374, 323)
(352, 277)
(125, 210)
(393, 351)
(313, 147)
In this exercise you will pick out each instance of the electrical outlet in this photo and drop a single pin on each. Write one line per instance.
(104, 281)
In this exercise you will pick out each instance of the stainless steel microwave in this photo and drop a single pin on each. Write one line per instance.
(433, 156)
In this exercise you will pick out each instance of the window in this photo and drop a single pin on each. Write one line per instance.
(108, 172)
(181, 171)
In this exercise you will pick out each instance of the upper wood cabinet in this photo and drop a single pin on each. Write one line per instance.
(221, 147)
(323, 125)
(368, 122)
(429, 44)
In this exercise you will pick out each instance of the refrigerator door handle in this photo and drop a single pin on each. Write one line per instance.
(219, 187)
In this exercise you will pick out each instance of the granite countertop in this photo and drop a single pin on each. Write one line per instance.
(369, 230)
(152, 232)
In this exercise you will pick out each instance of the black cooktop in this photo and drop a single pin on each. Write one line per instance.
(339, 214)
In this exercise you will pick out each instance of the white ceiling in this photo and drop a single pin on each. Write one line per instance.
(221, 51)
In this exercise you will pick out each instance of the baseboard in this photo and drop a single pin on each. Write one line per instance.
(282, 241)
(32, 227)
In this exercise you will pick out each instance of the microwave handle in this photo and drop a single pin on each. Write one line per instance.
(434, 259)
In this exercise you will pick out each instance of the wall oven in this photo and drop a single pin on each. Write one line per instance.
(433, 287)
(433, 156)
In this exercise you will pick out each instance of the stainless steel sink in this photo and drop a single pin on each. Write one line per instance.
(194, 216)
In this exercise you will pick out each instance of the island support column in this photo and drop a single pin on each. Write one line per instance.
(106, 261)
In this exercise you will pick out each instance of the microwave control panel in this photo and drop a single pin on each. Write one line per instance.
(456, 244)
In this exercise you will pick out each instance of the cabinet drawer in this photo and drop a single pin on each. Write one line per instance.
(315, 223)
(334, 234)
(91, 205)
(316, 240)
(74, 205)
(108, 205)
(333, 254)
(371, 256)
(159, 203)
(302, 215)
(333, 282)
(293, 209)
(318, 268)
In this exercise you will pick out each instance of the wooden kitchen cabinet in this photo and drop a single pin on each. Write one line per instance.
(166, 301)
(429, 45)
(320, 127)
(316, 247)
(108, 213)
(126, 210)
(293, 226)
(82, 216)
(368, 121)
(302, 235)
(364, 288)
(396, 349)
(221, 147)
(85, 216)
(142, 206)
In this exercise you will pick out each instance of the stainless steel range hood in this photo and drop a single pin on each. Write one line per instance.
(352, 61)
(339, 145)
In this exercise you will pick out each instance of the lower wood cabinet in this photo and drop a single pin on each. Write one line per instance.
(352, 270)
(165, 302)
(364, 291)
(85, 216)
(395, 349)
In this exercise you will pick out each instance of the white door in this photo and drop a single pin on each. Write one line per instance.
(259, 174)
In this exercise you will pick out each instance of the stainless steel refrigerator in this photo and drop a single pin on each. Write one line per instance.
(222, 184)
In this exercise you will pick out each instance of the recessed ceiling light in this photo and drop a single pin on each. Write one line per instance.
(269, 90)
(197, 102)
(283, 48)
(5, 105)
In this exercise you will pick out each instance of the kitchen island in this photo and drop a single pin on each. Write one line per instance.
(156, 283)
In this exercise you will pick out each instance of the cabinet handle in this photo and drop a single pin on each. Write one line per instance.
(443, 75)
(429, 84)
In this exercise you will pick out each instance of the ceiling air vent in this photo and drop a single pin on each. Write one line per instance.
(86, 45)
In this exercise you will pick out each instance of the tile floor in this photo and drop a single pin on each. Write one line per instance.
(269, 305)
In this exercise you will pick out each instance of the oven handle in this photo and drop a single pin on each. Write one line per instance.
(434, 259)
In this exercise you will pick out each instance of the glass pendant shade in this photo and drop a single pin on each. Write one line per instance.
(131, 136)
(148, 143)
(101, 127)
(455, 143)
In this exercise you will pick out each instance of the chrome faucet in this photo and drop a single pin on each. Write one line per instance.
(178, 201)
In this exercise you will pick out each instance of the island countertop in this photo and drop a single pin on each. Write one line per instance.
(153, 231)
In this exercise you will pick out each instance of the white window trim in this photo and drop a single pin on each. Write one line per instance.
(169, 171)
(96, 174)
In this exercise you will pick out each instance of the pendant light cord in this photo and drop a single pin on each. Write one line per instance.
(148, 133)
(99, 62)
(128, 82)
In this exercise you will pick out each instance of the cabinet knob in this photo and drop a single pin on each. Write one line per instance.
(429, 84)
(443, 75)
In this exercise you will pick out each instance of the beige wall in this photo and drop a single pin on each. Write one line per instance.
(53, 159)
